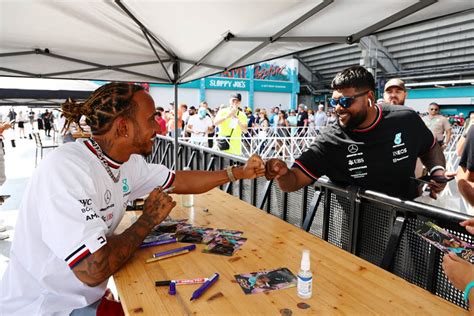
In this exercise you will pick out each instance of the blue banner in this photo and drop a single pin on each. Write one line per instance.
(273, 86)
(227, 84)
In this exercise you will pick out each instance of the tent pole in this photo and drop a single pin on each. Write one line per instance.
(176, 144)
(175, 84)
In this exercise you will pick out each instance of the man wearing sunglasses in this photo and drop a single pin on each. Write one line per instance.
(373, 147)
(438, 125)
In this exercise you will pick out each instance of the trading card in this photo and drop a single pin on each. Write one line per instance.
(191, 234)
(445, 241)
(224, 245)
(263, 281)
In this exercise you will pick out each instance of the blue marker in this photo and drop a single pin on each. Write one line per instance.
(205, 286)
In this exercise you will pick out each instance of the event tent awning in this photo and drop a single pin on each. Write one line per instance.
(179, 41)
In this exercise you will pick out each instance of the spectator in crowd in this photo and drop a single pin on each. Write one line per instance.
(48, 122)
(302, 119)
(332, 117)
(250, 117)
(3, 127)
(232, 123)
(394, 92)
(12, 117)
(438, 125)
(467, 125)
(263, 126)
(465, 173)
(183, 116)
(460, 272)
(292, 122)
(199, 126)
(320, 118)
(311, 118)
(274, 115)
(65, 249)
(31, 118)
(257, 118)
(161, 121)
(21, 124)
(282, 131)
(371, 147)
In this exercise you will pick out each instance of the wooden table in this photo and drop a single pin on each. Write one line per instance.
(342, 282)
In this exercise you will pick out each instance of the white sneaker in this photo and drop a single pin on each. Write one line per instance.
(3, 236)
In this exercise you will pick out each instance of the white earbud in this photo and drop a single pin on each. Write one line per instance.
(370, 102)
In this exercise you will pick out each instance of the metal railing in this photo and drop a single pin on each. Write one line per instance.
(373, 226)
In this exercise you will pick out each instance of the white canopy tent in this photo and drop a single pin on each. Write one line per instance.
(182, 40)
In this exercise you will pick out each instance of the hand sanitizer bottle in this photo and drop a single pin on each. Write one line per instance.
(305, 277)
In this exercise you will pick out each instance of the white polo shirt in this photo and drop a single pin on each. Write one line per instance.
(69, 208)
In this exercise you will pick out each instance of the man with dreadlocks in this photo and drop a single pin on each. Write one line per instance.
(64, 248)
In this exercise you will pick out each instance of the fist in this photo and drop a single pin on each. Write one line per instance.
(158, 205)
(254, 167)
(275, 168)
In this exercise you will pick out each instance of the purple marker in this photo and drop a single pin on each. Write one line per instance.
(204, 287)
(159, 242)
(164, 253)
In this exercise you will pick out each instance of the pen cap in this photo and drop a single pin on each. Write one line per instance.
(162, 283)
(305, 265)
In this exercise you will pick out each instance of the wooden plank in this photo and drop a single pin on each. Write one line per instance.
(342, 284)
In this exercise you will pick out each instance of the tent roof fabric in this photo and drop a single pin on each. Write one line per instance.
(182, 40)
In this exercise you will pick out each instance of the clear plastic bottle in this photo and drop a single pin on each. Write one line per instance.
(187, 200)
(305, 277)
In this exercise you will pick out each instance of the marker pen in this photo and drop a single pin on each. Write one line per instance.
(170, 255)
(164, 253)
(181, 282)
(159, 242)
(203, 288)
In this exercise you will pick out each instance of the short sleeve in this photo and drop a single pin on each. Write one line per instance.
(446, 124)
(424, 136)
(71, 226)
(467, 157)
(312, 162)
(145, 177)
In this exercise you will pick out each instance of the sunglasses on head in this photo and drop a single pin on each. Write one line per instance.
(345, 102)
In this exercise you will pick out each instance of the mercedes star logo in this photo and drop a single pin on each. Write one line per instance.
(352, 148)
(107, 197)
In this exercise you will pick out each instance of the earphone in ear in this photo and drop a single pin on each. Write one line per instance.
(370, 102)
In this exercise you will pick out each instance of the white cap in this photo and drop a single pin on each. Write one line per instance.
(305, 264)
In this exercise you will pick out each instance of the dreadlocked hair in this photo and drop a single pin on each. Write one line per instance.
(102, 107)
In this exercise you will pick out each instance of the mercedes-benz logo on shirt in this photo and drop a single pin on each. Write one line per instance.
(107, 197)
(352, 148)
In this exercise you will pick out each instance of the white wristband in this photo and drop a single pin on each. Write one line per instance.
(436, 168)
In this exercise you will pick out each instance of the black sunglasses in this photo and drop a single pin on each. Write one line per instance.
(434, 110)
(345, 102)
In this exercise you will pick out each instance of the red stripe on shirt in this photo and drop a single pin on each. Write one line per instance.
(371, 127)
(91, 148)
(305, 170)
(170, 181)
(79, 258)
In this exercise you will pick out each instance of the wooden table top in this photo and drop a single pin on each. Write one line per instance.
(342, 282)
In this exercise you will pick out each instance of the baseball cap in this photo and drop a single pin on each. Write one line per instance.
(395, 83)
(237, 96)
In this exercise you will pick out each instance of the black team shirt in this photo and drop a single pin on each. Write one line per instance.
(381, 157)
(467, 157)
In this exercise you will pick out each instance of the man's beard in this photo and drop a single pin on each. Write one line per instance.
(353, 121)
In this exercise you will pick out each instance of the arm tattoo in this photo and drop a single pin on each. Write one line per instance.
(99, 266)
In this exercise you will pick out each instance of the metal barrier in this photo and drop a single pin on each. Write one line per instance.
(373, 226)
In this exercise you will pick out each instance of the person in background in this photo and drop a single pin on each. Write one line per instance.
(31, 118)
(199, 126)
(320, 118)
(311, 118)
(3, 127)
(210, 114)
(292, 122)
(460, 272)
(21, 124)
(467, 125)
(332, 117)
(232, 122)
(465, 173)
(161, 121)
(394, 92)
(438, 125)
(65, 248)
(302, 119)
